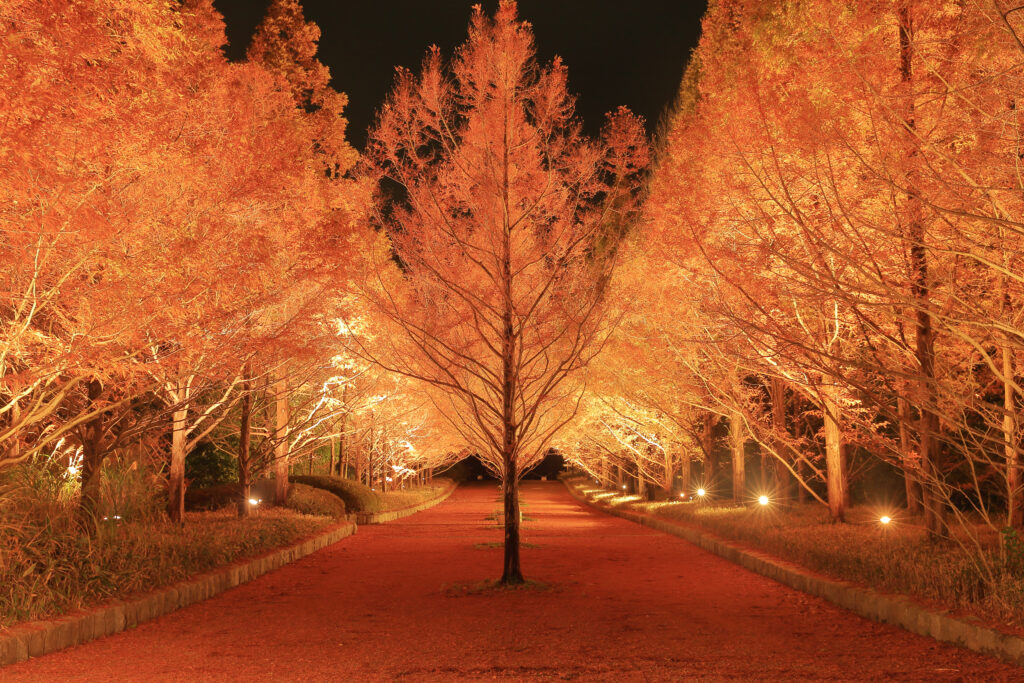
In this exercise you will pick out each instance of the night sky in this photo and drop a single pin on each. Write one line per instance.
(628, 52)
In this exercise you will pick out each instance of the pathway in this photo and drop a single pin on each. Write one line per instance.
(622, 603)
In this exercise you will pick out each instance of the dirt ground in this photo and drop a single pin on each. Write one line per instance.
(617, 602)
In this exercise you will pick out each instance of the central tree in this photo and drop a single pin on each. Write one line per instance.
(499, 222)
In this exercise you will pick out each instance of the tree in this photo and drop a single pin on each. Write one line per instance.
(500, 221)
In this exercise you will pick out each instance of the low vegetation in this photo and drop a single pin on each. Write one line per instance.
(898, 557)
(361, 498)
(50, 562)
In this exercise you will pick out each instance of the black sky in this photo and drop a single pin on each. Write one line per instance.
(628, 52)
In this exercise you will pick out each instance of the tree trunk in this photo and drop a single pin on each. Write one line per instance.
(911, 483)
(1014, 493)
(176, 472)
(834, 471)
(684, 473)
(932, 498)
(281, 447)
(244, 452)
(707, 444)
(334, 449)
(784, 480)
(92, 460)
(737, 441)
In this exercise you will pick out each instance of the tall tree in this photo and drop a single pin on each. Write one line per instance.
(503, 219)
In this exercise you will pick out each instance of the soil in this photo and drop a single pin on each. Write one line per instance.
(609, 601)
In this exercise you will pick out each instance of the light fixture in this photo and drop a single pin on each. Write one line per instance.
(701, 492)
(885, 519)
(682, 495)
(254, 501)
(763, 500)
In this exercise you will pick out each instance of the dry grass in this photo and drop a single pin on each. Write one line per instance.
(49, 565)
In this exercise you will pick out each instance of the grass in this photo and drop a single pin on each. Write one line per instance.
(898, 558)
(50, 562)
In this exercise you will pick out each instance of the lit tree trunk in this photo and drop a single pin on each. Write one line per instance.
(684, 472)
(281, 447)
(707, 444)
(933, 499)
(783, 480)
(913, 486)
(334, 448)
(738, 440)
(244, 449)
(834, 471)
(176, 472)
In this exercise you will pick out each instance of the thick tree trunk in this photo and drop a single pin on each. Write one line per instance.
(685, 473)
(281, 447)
(784, 480)
(92, 460)
(738, 441)
(244, 452)
(176, 471)
(933, 498)
(910, 480)
(834, 471)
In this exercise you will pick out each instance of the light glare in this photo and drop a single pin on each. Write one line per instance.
(763, 500)
(885, 519)
(701, 492)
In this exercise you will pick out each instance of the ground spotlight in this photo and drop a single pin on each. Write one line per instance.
(763, 500)
(885, 519)
(701, 492)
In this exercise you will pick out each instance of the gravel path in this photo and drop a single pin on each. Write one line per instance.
(618, 603)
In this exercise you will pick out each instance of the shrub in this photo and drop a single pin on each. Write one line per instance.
(356, 496)
(314, 501)
(208, 466)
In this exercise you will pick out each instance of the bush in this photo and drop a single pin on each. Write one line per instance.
(314, 501)
(356, 496)
(212, 497)
(208, 466)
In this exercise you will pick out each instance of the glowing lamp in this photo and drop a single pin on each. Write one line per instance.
(254, 501)
(763, 500)
(682, 495)
(623, 487)
(885, 519)
(701, 492)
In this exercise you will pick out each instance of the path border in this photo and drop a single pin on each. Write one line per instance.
(35, 638)
(392, 515)
(890, 609)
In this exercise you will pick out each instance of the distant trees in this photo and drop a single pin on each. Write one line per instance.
(501, 222)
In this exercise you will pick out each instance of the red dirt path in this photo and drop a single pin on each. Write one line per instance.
(622, 603)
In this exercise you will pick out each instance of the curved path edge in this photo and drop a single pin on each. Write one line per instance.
(392, 515)
(898, 610)
(35, 638)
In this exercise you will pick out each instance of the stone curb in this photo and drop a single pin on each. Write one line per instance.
(890, 609)
(35, 638)
(392, 515)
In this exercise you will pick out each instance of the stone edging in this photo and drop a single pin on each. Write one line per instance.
(35, 638)
(391, 515)
(890, 609)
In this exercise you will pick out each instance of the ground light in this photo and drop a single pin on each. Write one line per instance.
(885, 519)
(682, 495)
(254, 501)
(701, 492)
(763, 500)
